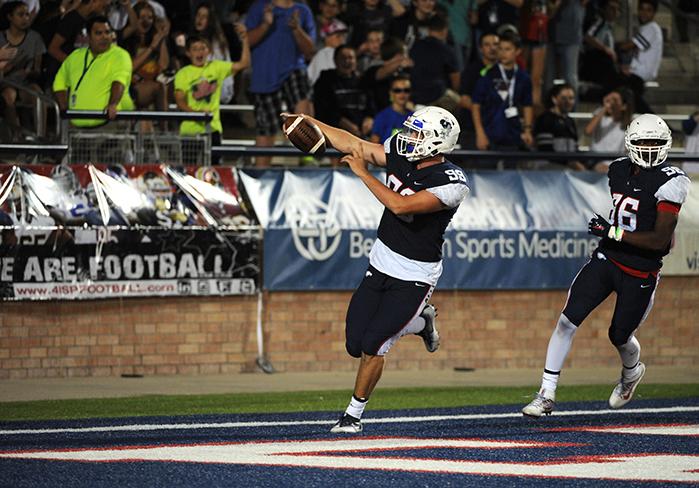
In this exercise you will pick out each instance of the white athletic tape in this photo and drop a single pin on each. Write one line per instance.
(318, 144)
(293, 125)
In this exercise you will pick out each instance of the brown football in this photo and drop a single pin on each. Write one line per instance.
(305, 135)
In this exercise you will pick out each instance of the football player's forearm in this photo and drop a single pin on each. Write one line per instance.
(657, 239)
(652, 241)
(340, 139)
(390, 199)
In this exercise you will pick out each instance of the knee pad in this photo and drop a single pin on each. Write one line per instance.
(565, 327)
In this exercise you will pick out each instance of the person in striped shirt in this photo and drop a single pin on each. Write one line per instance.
(641, 55)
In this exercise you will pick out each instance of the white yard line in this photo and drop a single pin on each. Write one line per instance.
(381, 420)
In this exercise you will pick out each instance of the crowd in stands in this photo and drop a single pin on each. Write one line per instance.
(510, 70)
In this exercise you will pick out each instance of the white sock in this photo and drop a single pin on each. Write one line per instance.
(356, 407)
(630, 353)
(559, 346)
(414, 326)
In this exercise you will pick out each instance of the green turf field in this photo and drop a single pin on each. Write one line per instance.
(336, 400)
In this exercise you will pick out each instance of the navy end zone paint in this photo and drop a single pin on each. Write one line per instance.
(579, 445)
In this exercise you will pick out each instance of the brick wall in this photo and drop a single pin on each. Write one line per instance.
(304, 332)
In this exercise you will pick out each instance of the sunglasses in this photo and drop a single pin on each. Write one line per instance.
(400, 90)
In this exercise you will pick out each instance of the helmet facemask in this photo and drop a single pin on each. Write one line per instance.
(411, 141)
(648, 153)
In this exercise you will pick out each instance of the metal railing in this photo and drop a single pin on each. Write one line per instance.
(153, 115)
(481, 158)
(51, 149)
(41, 97)
(136, 145)
(242, 107)
(456, 156)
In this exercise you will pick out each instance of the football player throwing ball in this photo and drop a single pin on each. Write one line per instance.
(421, 195)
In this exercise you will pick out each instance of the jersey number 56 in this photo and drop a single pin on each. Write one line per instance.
(625, 209)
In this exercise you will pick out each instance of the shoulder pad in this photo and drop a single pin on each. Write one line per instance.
(676, 187)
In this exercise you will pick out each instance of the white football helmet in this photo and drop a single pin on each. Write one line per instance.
(157, 186)
(428, 132)
(64, 176)
(648, 140)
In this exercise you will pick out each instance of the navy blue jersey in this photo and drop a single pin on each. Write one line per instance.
(418, 237)
(636, 196)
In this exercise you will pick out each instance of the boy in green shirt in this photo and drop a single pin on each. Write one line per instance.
(198, 85)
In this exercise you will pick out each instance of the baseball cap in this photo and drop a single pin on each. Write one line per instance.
(333, 27)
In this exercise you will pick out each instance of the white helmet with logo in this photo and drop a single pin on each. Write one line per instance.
(648, 140)
(64, 176)
(428, 132)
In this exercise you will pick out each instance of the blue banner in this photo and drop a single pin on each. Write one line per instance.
(516, 230)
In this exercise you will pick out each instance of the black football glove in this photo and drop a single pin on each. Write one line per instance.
(598, 226)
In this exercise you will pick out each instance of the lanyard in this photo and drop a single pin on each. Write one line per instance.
(510, 83)
(86, 67)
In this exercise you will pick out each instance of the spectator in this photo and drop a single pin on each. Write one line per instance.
(599, 61)
(682, 17)
(412, 25)
(501, 96)
(435, 77)
(369, 52)
(488, 45)
(339, 97)
(150, 57)
(96, 77)
(492, 14)
(395, 61)
(390, 120)
(690, 127)
(534, 29)
(609, 124)
(33, 7)
(371, 15)
(123, 18)
(207, 26)
(198, 86)
(646, 47)
(328, 11)
(554, 130)
(334, 35)
(282, 36)
(462, 15)
(25, 67)
(121, 13)
(565, 39)
(69, 32)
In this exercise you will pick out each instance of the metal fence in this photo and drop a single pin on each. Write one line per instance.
(125, 141)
